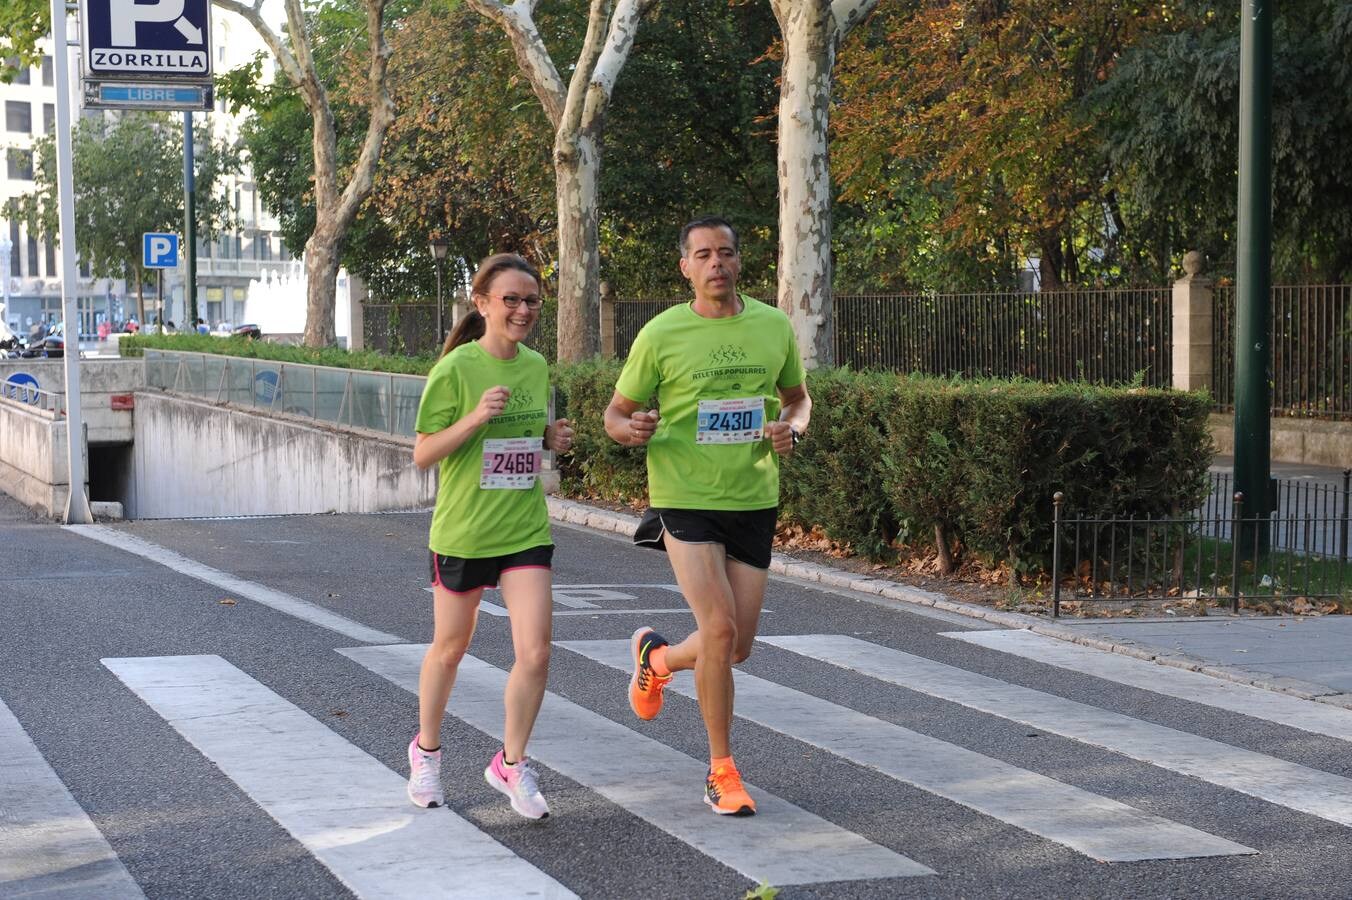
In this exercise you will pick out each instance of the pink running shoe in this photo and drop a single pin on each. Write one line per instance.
(520, 784)
(424, 783)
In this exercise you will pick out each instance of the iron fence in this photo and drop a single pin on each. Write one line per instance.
(1216, 553)
(1110, 336)
(410, 329)
(631, 316)
(1311, 350)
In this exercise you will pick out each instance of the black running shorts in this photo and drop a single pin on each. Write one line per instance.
(460, 576)
(747, 535)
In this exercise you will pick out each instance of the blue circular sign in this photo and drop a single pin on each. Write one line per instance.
(22, 387)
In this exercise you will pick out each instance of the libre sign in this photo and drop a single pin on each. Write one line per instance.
(164, 40)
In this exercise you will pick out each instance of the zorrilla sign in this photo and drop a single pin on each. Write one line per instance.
(152, 39)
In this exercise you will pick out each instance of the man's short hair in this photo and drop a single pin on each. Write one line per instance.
(708, 222)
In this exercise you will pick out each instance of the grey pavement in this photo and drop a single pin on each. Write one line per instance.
(183, 683)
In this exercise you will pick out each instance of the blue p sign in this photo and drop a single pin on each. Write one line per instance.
(159, 251)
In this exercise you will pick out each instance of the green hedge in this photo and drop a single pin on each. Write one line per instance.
(337, 357)
(973, 464)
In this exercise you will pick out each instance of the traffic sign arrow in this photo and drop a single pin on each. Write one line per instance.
(189, 31)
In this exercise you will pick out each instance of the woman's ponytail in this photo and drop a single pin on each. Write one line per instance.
(469, 328)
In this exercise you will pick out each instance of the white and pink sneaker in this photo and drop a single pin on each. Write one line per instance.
(520, 784)
(424, 782)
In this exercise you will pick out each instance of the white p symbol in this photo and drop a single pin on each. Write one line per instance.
(126, 14)
(159, 247)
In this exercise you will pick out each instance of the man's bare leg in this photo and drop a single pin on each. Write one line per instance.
(701, 572)
(748, 591)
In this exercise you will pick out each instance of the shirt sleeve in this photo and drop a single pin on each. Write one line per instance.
(438, 407)
(639, 377)
(792, 374)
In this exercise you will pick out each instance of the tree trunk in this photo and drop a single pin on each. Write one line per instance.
(577, 166)
(810, 41)
(946, 564)
(1049, 265)
(321, 275)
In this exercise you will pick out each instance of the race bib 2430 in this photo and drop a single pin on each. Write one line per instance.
(740, 420)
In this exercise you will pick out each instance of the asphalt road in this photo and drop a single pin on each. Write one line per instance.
(275, 768)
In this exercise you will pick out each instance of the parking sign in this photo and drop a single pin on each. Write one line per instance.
(159, 251)
(160, 39)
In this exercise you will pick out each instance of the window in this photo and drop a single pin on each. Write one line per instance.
(14, 243)
(50, 241)
(32, 257)
(19, 116)
(22, 77)
(48, 118)
(20, 164)
(47, 77)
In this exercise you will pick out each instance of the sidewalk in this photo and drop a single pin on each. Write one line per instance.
(1307, 657)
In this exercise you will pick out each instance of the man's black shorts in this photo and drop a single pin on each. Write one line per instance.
(460, 576)
(747, 535)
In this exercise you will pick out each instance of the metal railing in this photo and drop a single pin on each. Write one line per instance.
(631, 316)
(410, 329)
(1111, 336)
(1311, 350)
(1217, 554)
(51, 404)
(376, 401)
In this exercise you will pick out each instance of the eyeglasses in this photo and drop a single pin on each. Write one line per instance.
(512, 301)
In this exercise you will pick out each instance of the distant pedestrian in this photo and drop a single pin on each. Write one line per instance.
(483, 420)
(202, 327)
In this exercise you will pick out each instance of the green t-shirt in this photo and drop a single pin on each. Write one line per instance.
(471, 521)
(696, 459)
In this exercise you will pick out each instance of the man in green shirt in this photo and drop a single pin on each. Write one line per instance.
(733, 399)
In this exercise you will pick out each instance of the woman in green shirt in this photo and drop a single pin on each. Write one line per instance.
(483, 420)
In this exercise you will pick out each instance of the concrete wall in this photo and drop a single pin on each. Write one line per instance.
(1311, 442)
(100, 380)
(34, 465)
(196, 459)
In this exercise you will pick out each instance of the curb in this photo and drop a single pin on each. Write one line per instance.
(576, 513)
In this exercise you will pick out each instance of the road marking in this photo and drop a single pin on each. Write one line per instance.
(492, 609)
(1283, 709)
(1098, 827)
(1258, 775)
(344, 806)
(782, 845)
(237, 587)
(48, 846)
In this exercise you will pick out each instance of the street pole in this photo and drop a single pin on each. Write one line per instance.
(1253, 270)
(441, 330)
(77, 506)
(189, 226)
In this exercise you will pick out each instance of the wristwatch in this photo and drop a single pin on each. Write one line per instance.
(795, 434)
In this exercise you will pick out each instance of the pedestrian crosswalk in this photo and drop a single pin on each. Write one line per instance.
(348, 810)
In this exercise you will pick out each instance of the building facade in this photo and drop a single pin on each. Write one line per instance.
(30, 262)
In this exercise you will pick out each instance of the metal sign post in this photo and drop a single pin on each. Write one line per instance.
(159, 252)
(77, 506)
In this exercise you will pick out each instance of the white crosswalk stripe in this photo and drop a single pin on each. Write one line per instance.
(783, 844)
(48, 846)
(345, 807)
(349, 811)
(1283, 709)
(1297, 787)
(1096, 826)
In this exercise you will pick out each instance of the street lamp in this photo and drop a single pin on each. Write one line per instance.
(439, 245)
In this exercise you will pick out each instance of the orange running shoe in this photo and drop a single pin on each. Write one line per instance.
(645, 688)
(725, 795)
